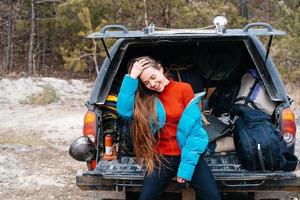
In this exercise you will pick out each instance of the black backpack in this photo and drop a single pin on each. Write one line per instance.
(259, 145)
(222, 98)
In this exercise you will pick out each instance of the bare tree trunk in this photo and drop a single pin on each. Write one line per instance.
(166, 13)
(9, 36)
(21, 8)
(95, 56)
(11, 56)
(5, 53)
(8, 49)
(31, 40)
(114, 11)
(36, 56)
(44, 49)
(145, 13)
(243, 9)
(267, 10)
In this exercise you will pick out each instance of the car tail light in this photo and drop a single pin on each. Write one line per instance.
(288, 125)
(89, 129)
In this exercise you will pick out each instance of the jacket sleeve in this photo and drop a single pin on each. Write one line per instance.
(125, 102)
(192, 139)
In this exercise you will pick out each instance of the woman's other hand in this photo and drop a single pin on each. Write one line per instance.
(138, 68)
(180, 180)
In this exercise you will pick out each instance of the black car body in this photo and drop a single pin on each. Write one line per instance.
(220, 57)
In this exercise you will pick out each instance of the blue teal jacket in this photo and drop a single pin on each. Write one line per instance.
(191, 137)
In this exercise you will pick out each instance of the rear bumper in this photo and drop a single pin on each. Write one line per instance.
(280, 181)
(230, 177)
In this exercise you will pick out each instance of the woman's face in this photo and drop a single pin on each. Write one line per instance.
(154, 79)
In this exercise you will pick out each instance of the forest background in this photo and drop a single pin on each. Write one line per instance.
(42, 38)
(48, 37)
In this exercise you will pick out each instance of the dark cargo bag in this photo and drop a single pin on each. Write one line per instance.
(222, 98)
(259, 145)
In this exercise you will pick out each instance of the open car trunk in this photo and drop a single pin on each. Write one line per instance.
(204, 63)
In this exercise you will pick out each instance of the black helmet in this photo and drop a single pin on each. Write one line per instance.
(83, 149)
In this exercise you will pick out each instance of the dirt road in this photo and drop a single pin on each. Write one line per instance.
(34, 140)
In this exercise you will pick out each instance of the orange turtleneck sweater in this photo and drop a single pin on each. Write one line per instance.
(175, 97)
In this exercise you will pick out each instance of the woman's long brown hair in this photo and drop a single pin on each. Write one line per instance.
(144, 114)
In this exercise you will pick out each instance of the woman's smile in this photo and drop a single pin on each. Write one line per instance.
(157, 86)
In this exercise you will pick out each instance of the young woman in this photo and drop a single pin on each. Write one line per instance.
(166, 129)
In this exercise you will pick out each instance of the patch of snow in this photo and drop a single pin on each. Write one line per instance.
(14, 91)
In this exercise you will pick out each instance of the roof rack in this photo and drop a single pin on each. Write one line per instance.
(216, 30)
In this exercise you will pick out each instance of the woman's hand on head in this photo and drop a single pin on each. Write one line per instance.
(138, 67)
(180, 180)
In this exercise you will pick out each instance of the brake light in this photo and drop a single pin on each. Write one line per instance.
(89, 129)
(288, 125)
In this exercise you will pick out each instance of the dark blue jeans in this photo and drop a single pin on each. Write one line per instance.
(202, 181)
